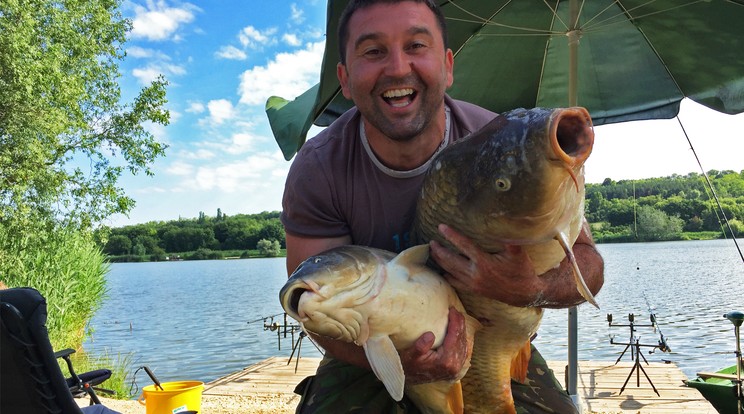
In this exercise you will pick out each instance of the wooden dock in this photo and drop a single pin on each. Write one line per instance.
(599, 386)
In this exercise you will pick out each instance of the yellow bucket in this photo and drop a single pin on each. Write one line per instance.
(175, 397)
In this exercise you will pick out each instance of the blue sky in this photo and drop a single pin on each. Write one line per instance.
(225, 58)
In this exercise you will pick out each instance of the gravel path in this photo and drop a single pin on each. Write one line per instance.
(212, 404)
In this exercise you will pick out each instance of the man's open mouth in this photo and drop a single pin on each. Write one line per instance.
(399, 98)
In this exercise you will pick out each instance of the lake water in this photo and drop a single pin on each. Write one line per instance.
(190, 320)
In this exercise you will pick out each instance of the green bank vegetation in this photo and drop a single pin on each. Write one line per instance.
(204, 237)
(670, 208)
(66, 138)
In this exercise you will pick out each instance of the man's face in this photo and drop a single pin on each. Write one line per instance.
(397, 69)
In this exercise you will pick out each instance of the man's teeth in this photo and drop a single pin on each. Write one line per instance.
(397, 93)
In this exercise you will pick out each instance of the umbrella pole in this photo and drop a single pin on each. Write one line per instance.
(573, 312)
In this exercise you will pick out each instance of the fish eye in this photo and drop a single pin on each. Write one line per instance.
(503, 184)
(317, 260)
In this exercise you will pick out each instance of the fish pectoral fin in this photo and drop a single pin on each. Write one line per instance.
(520, 362)
(578, 277)
(417, 255)
(385, 363)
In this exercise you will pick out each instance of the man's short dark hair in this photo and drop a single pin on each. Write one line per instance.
(354, 5)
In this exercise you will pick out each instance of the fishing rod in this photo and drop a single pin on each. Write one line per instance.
(663, 346)
(263, 318)
(713, 191)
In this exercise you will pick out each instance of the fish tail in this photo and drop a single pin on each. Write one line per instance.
(520, 362)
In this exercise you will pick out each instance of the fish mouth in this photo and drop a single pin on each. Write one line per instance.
(290, 296)
(572, 138)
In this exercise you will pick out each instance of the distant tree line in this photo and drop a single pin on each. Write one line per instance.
(670, 208)
(203, 237)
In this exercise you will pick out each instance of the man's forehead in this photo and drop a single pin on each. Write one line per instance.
(378, 21)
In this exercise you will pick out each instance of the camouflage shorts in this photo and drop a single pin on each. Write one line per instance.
(338, 387)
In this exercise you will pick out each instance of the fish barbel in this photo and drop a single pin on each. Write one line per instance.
(517, 181)
(381, 302)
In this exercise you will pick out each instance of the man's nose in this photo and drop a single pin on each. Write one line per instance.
(399, 64)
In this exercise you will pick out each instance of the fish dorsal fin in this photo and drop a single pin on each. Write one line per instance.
(580, 284)
(385, 363)
(413, 255)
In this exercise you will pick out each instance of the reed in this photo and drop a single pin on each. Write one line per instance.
(69, 270)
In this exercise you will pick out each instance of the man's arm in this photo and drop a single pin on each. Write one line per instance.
(509, 276)
(420, 362)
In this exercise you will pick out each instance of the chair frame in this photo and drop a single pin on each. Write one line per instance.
(32, 381)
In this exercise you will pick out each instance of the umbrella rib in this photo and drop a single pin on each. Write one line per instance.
(627, 12)
(651, 45)
(489, 22)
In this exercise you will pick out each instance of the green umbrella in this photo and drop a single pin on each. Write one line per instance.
(623, 60)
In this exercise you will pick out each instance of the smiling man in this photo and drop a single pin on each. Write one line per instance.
(357, 182)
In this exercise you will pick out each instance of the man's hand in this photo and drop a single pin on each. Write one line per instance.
(510, 277)
(507, 276)
(423, 364)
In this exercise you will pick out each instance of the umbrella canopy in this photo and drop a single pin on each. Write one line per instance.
(623, 60)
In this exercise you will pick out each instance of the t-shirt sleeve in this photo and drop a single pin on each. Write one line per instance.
(310, 201)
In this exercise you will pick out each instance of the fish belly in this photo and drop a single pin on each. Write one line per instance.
(504, 331)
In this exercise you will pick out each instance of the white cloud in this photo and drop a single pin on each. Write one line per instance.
(250, 37)
(241, 143)
(297, 16)
(288, 75)
(291, 39)
(240, 175)
(180, 168)
(195, 108)
(150, 72)
(199, 154)
(140, 52)
(220, 110)
(231, 52)
(158, 21)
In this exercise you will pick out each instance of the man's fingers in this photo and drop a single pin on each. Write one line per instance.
(445, 257)
(455, 330)
(463, 244)
(424, 343)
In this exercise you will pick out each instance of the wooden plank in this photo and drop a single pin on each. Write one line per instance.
(599, 385)
(600, 382)
(705, 375)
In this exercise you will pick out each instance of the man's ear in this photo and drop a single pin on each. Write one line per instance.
(343, 79)
(450, 66)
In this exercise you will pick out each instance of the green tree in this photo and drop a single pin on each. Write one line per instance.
(62, 122)
(654, 225)
(118, 245)
(272, 230)
(268, 248)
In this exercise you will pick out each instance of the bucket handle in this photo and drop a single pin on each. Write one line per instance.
(141, 399)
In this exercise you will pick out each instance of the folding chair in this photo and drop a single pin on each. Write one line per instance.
(31, 380)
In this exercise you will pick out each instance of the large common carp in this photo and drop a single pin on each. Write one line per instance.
(518, 181)
(381, 302)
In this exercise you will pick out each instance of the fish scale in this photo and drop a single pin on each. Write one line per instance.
(508, 183)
